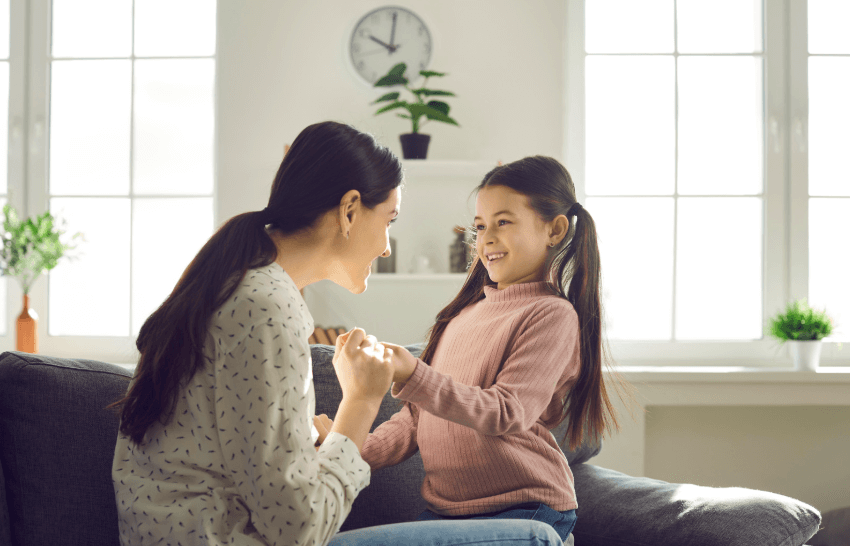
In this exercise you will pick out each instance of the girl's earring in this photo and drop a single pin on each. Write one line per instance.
(347, 234)
(551, 244)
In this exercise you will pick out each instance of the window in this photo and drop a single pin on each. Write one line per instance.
(122, 123)
(5, 107)
(682, 120)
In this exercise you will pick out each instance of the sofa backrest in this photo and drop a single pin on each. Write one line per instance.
(57, 442)
(56, 447)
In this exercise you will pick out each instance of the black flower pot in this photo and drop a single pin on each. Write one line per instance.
(414, 145)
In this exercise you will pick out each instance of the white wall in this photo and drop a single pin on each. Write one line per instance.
(282, 66)
(797, 451)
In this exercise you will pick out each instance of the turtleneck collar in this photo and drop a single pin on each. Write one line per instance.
(518, 291)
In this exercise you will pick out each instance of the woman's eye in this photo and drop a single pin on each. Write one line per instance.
(505, 221)
(479, 227)
(392, 222)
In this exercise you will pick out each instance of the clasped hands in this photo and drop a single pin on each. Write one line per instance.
(366, 368)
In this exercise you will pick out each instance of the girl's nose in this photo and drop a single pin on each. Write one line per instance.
(387, 252)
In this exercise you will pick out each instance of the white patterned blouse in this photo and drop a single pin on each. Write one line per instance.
(236, 462)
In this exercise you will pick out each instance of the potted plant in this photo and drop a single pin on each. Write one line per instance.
(30, 248)
(414, 145)
(803, 328)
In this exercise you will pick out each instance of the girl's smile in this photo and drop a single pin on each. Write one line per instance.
(512, 240)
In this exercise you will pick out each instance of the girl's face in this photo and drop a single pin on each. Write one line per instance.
(512, 240)
(369, 238)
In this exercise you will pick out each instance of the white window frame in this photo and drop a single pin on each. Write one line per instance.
(785, 252)
(17, 145)
(28, 178)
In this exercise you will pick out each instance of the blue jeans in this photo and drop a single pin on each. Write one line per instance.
(468, 532)
(562, 522)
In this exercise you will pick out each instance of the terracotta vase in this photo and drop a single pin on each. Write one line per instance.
(27, 326)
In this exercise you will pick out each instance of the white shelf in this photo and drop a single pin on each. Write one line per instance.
(420, 169)
(416, 276)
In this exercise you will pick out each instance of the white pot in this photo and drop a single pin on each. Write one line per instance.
(806, 354)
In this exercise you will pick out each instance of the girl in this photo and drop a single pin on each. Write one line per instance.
(518, 351)
(217, 436)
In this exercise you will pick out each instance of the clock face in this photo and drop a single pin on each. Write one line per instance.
(387, 36)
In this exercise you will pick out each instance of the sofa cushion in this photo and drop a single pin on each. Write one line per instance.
(619, 510)
(835, 529)
(56, 448)
(5, 531)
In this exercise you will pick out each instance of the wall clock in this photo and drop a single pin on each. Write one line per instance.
(387, 36)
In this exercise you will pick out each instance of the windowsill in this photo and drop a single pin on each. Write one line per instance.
(715, 374)
(733, 374)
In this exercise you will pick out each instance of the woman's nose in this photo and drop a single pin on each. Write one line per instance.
(387, 252)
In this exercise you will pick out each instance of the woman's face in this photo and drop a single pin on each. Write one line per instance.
(369, 238)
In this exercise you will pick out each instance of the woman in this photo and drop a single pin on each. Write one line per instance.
(216, 441)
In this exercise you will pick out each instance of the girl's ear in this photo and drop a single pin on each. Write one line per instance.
(558, 228)
(349, 208)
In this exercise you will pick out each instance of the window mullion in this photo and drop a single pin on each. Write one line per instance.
(798, 114)
(35, 199)
(776, 151)
(574, 108)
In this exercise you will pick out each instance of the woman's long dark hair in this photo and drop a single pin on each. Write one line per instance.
(325, 161)
(574, 274)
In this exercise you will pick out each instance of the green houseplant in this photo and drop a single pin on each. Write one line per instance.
(414, 145)
(30, 247)
(803, 328)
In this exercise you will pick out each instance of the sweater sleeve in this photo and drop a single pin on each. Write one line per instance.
(546, 345)
(394, 441)
(295, 494)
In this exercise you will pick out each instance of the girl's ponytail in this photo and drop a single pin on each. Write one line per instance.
(588, 407)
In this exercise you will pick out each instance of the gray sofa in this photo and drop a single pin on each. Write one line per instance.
(57, 441)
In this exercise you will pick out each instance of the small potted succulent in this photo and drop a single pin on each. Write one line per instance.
(803, 328)
(414, 145)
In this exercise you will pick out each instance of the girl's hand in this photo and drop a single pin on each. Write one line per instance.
(363, 366)
(323, 424)
(403, 362)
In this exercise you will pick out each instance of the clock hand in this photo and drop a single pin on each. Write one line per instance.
(389, 48)
(392, 35)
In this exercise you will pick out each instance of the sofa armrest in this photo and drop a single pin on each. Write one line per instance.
(617, 509)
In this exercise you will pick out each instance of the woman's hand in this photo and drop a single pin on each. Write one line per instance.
(403, 362)
(363, 366)
(323, 424)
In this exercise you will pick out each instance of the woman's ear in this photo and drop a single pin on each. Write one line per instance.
(349, 208)
(558, 228)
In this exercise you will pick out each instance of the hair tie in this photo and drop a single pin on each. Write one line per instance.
(265, 214)
(574, 209)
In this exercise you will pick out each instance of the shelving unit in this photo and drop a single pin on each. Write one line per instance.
(407, 277)
(400, 307)
(426, 168)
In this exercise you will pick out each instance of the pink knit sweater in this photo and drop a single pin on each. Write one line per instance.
(483, 409)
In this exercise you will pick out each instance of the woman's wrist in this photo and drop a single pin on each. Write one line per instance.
(354, 418)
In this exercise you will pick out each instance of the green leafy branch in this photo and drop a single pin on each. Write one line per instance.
(800, 322)
(31, 247)
(433, 110)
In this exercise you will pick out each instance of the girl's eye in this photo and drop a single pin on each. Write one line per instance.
(505, 221)
(479, 227)
(392, 222)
